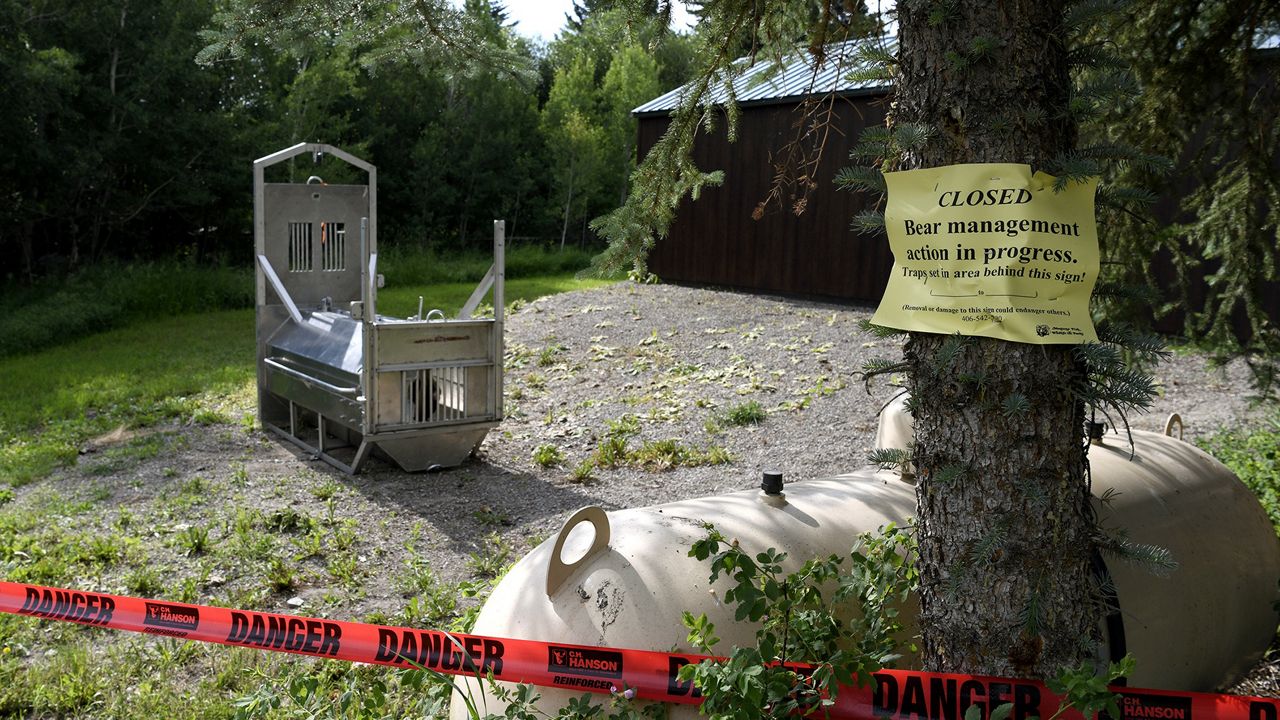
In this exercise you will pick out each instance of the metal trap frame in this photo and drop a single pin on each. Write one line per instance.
(335, 377)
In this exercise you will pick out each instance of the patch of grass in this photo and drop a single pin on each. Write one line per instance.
(403, 265)
(145, 581)
(326, 490)
(747, 413)
(288, 520)
(1254, 456)
(614, 450)
(113, 295)
(402, 301)
(194, 540)
(547, 355)
(547, 455)
(624, 427)
(120, 458)
(281, 576)
(611, 452)
(136, 377)
(667, 454)
(344, 568)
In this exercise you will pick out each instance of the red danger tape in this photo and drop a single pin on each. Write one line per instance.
(893, 694)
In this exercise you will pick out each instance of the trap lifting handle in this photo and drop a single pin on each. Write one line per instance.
(558, 571)
(307, 378)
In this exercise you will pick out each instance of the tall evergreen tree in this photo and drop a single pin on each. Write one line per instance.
(1002, 506)
(1006, 535)
(1210, 101)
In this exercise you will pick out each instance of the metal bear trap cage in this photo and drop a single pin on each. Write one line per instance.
(334, 376)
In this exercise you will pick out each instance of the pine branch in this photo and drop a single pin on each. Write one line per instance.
(948, 352)
(868, 222)
(860, 178)
(1015, 405)
(880, 331)
(890, 458)
(876, 367)
(1155, 559)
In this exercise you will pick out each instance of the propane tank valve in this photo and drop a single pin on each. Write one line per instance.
(1096, 431)
(771, 488)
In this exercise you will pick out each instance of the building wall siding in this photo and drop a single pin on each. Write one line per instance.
(715, 241)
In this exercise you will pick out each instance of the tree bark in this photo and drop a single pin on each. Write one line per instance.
(1006, 544)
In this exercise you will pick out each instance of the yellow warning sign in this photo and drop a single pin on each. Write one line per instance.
(991, 250)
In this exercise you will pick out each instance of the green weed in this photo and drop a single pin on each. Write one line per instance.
(488, 516)
(491, 559)
(194, 540)
(667, 454)
(145, 581)
(547, 355)
(288, 520)
(280, 576)
(583, 473)
(611, 452)
(547, 455)
(748, 413)
(344, 568)
(325, 490)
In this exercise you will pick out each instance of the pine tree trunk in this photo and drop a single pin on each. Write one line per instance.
(1005, 547)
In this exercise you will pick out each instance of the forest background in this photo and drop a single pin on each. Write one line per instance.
(120, 146)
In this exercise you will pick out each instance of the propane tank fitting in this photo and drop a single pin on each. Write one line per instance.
(1096, 432)
(771, 489)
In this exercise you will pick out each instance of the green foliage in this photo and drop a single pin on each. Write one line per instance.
(1225, 184)
(133, 377)
(115, 143)
(1254, 456)
(1087, 693)
(547, 455)
(491, 561)
(667, 454)
(118, 146)
(113, 295)
(843, 621)
(890, 459)
(583, 473)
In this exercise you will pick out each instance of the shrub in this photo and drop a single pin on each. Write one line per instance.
(1255, 458)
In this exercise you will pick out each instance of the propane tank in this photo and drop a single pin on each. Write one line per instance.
(623, 579)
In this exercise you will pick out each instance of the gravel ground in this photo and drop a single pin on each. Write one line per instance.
(676, 359)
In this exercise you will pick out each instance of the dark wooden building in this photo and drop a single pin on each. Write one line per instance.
(716, 241)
